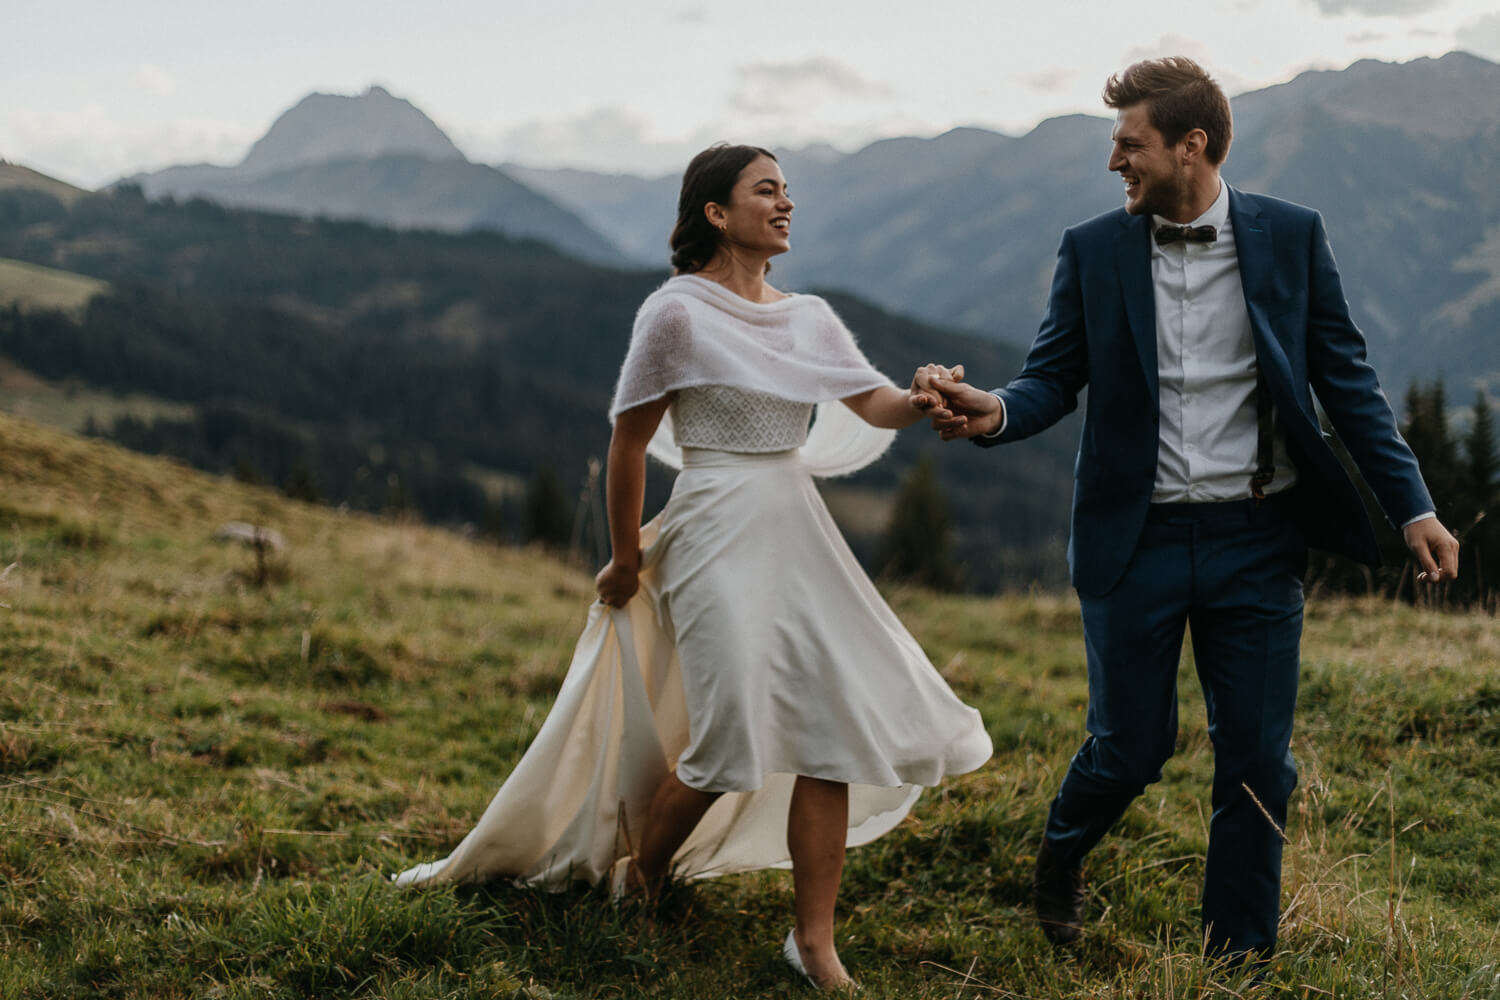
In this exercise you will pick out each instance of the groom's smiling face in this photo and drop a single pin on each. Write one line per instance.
(1155, 180)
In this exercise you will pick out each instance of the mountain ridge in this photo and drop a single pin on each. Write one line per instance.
(963, 229)
(330, 127)
(378, 158)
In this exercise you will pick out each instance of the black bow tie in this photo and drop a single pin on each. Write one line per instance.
(1192, 234)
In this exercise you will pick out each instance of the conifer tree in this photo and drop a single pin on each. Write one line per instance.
(300, 484)
(917, 546)
(1483, 467)
(398, 501)
(246, 472)
(549, 516)
(495, 521)
(1480, 554)
(1427, 432)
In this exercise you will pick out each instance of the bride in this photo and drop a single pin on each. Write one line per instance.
(742, 697)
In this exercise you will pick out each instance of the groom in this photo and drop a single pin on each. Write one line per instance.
(1203, 321)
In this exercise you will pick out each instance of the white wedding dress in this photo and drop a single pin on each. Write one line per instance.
(755, 651)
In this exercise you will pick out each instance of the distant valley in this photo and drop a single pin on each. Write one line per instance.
(390, 369)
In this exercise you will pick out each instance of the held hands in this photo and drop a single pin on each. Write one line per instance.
(1436, 550)
(959, 409)
(617, 582)
(925, 396)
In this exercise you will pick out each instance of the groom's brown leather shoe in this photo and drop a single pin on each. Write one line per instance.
(1057, 891)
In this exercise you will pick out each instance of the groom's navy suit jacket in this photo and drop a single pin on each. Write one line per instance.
(1100, 333)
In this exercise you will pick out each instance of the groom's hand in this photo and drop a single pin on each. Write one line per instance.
(965, 411)
(1436, 550)
(922, 395)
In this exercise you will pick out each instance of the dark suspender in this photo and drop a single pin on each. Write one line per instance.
(1265, 457)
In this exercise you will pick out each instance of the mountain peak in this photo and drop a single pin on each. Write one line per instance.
(323, 128)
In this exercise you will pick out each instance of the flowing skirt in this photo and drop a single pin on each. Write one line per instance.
(756, 650)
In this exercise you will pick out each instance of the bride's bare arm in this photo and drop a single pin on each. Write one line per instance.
(624, 493)
(888, 406)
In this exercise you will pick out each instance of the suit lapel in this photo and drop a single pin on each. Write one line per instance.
(1253, 247)
(1133, 258)
(1252, 244)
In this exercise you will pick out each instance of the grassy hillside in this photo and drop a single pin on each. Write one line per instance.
(73, 406)
(32, 286)
(209, 766)
(15, 176)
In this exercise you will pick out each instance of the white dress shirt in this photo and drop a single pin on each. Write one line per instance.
(1206, 367)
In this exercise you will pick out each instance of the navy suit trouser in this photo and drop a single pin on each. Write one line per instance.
(1232, 573)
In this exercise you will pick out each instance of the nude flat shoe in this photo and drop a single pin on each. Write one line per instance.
(619, 878)
(793, 956)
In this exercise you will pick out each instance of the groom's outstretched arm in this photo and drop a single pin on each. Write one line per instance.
(1046, 390)
(1057, 365)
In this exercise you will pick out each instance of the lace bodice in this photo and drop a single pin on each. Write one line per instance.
(726, 419)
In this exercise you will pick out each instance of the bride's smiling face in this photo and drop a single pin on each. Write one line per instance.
(758, 216)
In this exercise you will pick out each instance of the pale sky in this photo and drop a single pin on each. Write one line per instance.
(93, 90)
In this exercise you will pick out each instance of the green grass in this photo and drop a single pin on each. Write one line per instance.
(203, 784)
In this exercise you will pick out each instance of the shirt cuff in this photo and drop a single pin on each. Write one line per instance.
(1004, 417)
(1419, 517)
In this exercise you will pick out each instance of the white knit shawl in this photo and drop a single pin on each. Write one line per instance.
(692, 332)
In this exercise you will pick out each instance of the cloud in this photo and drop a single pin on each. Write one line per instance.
(601, 127)
(608, 139)
(1481, 36)
(1378, 8)
(769, 89)
(1171, 45)
(618, 141)
(1179, 45)
(92, 147)
(153, 80)
(1048, 81)
(691, 16)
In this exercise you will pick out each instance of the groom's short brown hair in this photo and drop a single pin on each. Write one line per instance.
(1179, 97)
